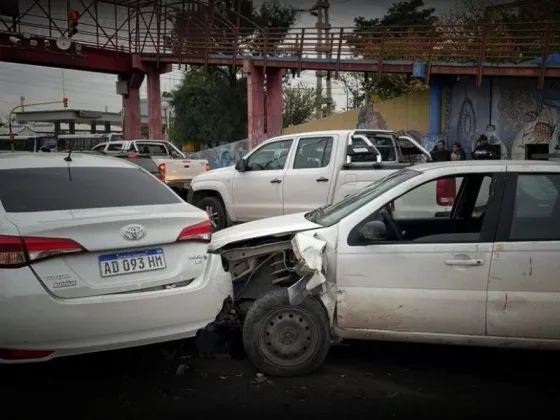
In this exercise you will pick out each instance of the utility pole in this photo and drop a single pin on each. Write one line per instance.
(321, 11)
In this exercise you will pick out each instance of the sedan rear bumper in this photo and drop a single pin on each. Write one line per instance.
(32, 319)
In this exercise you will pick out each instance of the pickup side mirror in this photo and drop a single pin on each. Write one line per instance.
(241, 165)
(374, 231)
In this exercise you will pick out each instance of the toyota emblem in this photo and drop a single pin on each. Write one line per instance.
(134, 232)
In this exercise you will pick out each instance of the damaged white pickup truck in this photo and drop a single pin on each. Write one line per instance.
(484, 274)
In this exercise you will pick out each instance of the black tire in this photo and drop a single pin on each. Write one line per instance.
(217, 207)
(268, 338)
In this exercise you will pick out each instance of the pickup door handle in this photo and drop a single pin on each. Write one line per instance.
(275, 181)
(464, 260)
(322, 179)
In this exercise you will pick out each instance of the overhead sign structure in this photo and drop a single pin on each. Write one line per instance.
(9, 8)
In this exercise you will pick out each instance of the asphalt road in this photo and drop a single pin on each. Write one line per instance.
(380, 380)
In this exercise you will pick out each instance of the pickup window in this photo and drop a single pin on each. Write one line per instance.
(269, 157)
(385, 143)
(114, 147)
(313, 153)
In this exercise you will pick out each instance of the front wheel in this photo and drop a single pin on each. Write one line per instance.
(283, 339)
(216, 210)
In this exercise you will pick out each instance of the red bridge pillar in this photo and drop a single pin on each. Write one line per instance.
(132, 128)
(153, 72)
(154, 100)
(255, 104)
(263, 124)
(274, 102)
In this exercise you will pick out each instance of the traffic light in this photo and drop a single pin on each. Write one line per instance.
(73, 17)
(65, 102)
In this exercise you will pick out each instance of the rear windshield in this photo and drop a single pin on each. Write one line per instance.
(51, 189)
(147, 164)
(152, 148)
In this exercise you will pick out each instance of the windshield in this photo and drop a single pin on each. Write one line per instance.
(334, 213)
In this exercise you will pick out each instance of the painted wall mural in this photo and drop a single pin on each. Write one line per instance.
(407, 114)
(511, 112)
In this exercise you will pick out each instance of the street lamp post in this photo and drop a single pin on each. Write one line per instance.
(165, 107)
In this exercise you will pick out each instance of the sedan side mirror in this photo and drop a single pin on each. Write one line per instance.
(241, 165)
(374, 231)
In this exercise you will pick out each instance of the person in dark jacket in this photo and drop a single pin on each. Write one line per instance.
(457, 152)
(483, 149)
(440, 153)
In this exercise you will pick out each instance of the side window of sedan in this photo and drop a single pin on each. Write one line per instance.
(536, 208)
(432, 212)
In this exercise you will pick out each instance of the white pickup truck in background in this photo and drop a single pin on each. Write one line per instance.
(177, 170)
(297, 173)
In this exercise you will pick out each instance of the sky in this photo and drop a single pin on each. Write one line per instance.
(95, 91)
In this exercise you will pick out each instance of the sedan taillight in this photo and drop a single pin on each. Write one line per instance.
(18, 251)
(201, 232)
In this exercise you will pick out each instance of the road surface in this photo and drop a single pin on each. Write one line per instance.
(380, 380)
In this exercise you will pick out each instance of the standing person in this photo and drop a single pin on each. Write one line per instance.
(457, 152)
(483, 149)
(440, 153)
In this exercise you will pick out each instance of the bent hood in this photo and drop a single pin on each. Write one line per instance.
(273, 226)
(210, 175)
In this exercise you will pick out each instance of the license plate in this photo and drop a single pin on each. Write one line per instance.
(131, 262)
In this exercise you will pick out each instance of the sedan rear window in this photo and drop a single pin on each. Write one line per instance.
(52, 189)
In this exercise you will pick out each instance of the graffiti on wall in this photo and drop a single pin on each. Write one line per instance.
(224, 155)
(510, 112)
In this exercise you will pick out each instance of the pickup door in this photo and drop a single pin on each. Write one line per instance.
(258, 192)
(308, 178)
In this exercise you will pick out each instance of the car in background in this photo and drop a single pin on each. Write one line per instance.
(97, 254)
(177, 169)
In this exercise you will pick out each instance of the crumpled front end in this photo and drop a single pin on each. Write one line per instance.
(312, 267)
(303, 263)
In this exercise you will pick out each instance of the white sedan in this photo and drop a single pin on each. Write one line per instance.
(96, 254)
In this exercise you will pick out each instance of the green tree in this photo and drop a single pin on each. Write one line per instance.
(413, 13)
(208, 110)
(299, 104)
(219, 111)
(510, 37)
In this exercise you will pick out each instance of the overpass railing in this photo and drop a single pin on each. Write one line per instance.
(163, 34)
(493, 43)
